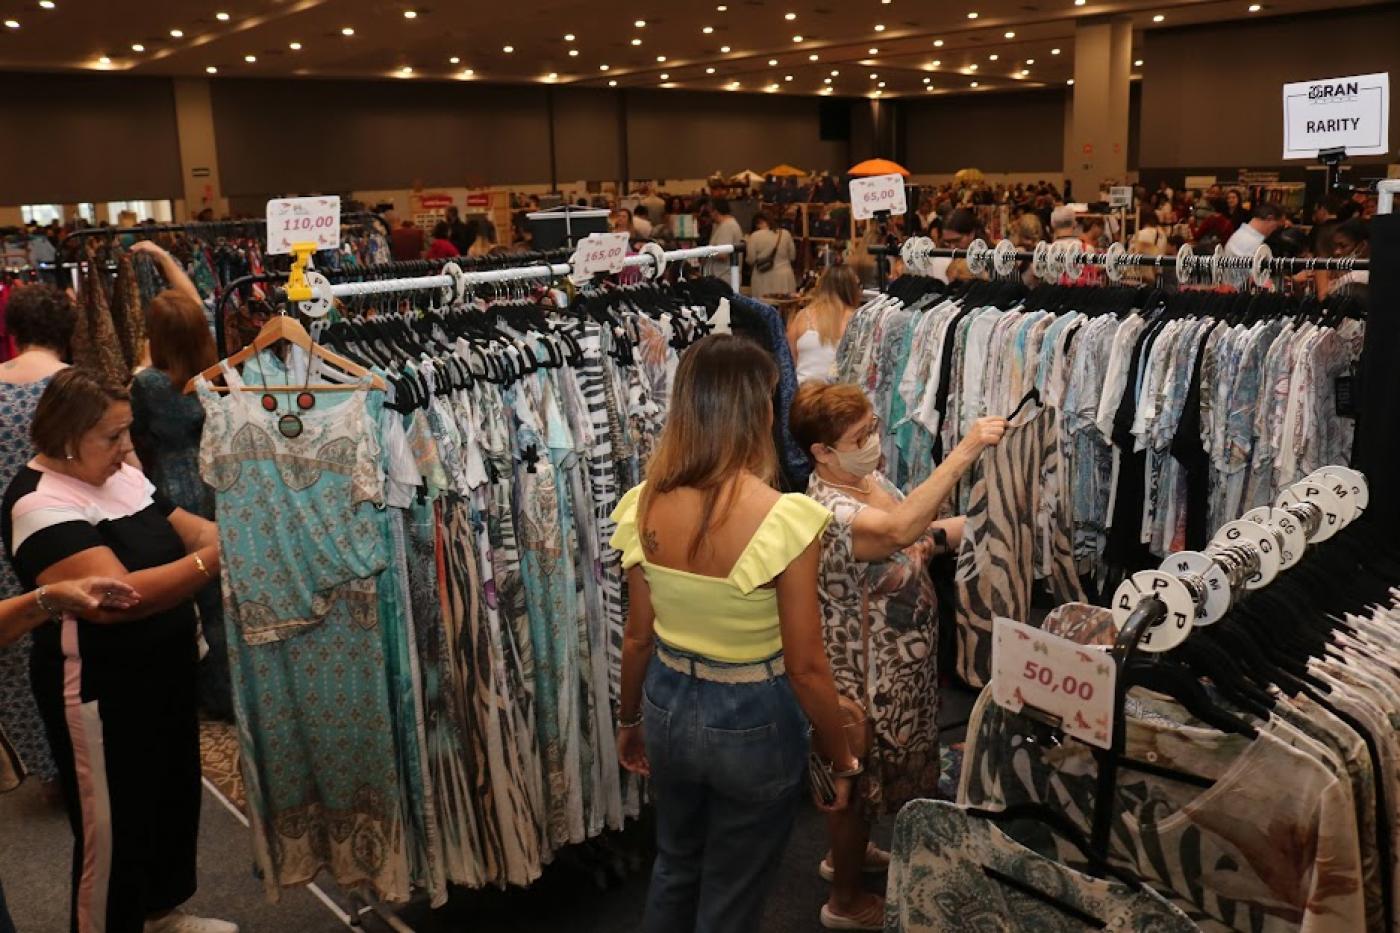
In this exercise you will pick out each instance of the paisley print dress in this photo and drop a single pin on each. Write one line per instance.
(903, 680)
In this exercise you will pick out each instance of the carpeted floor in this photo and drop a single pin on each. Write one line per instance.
(596, 888)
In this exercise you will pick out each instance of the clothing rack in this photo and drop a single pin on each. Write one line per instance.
(1049, 261)
(211, 227)
(1197, 588)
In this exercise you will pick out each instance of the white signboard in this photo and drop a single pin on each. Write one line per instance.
(600, 252)
(303, 220)
(877, 193)
(1337, 113)
(1054, 675)
(1120, 197)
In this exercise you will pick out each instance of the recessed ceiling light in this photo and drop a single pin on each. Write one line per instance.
(406, 70)
(177, 34)
(573, 53)
(467, 72)
(707, 30)
(993, 57)
(665, 76)
(1030, 61)
(1158, 18)
(1010, 35)
(877, 94)
(709, 71)
(104, 60)
(879, 27)
(938, 43)
(1070, 81)
(813, 57)
(881, 84)
(296, 47)
(1253, 7)
(603, 67)
(636, 41)
(772, 62)
(735, 85)
(210, 70)
(1054, 51)
(722, 8)
(640, 24)
(612, 83)
(796, 38)
(873, 51)
(973, 84)
(787, 77)
(928, 80)
(971, 67)
(826, 80)
(250, 59)
(661, 58)
(935, 63)
(410, 14)
(454, 60)
(826, 90)
(789, 16)
(568, 37)
(835, 72)
(551, 76)
(508, 49)
(972, 16)
(47, 4)
(348, 31)
(1080, 2)
(135, 46)
(221, 17)
(1137, 63)
(724, 49)
(1025, 71)
(873, 75)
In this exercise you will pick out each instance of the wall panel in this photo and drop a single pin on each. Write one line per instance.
(1015, 131)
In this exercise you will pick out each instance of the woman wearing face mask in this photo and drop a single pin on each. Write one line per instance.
(879, 618)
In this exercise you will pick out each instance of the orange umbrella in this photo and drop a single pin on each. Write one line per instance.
(878, 167)
(785, 170)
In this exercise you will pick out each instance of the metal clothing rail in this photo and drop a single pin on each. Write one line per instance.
(211, 227)
(1068, 257)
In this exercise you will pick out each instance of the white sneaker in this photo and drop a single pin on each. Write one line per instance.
(177, 921)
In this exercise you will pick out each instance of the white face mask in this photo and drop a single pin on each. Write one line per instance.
(863, 460)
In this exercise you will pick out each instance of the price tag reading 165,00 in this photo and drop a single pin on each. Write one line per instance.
(877, 193)
(600, 252)
(1054, 675)
(303, 220)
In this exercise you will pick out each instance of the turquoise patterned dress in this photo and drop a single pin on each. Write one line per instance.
(19, 717)
(317, 652)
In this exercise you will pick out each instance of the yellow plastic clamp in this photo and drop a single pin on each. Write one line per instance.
(297, 289)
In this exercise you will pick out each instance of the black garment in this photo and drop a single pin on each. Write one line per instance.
(1377, 448)
(1188, 450)
(940, 400)
(1124, 548)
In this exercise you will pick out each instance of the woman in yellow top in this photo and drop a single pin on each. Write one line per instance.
(725, 629)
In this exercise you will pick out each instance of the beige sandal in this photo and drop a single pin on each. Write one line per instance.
(871, 918)
(877, 862)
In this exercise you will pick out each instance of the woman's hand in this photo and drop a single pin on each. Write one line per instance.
(148, 246)
(632, 750)
(845, 792)
(985, 432)
(90, 594)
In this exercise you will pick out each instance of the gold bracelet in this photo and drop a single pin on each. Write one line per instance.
(40, 598)
(199, 562)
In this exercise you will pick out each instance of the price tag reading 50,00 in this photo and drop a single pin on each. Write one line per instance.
(600, 252)
(1054, 675)
(877, 193)
(303, 220)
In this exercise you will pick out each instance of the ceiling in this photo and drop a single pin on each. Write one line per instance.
(888, 48)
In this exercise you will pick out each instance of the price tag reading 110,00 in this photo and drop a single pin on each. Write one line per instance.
(877, 193)
(1054, 675)
(303, 220)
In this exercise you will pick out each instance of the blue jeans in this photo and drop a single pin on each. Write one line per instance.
(6, 924)
(728, 767)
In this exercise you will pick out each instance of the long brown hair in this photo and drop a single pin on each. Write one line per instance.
(836, 293)
(720, 422)
(181, 344)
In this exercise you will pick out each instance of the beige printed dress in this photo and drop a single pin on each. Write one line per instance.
(903, 681)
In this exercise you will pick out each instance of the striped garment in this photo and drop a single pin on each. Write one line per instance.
(1018, 531)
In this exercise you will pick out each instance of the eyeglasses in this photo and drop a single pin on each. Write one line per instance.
(866, 435)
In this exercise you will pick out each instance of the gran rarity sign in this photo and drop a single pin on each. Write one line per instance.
(1337, 113)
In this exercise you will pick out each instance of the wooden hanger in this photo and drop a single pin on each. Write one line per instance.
(285, 327)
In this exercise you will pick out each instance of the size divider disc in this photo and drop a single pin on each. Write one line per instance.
(1261, 539)
(1360, 489)
(1345, 488)
(321, 299)
(1322, 497)
(458, 288)
(1173, 629)
(1294, 539)
(1217, 596)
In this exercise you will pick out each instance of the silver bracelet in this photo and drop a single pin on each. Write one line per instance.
(630, 723)
(858, 770)
(40, 599)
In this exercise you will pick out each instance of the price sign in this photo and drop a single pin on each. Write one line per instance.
(1054, 675)
(877, 193)
(303, 220)
(600, 252)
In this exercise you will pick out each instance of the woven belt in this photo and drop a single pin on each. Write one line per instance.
(719, 672)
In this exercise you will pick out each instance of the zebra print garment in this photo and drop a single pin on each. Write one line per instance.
(1018, 531)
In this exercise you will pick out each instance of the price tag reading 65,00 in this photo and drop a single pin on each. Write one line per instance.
(1054, 675)
(877, 193)
(303, 220)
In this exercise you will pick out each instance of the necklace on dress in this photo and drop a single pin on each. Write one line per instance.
(862, 491)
